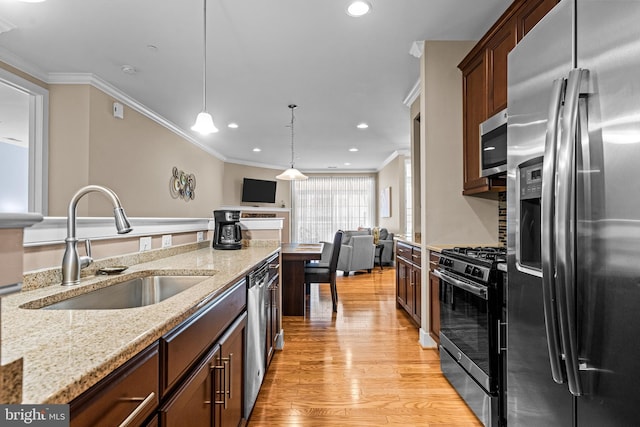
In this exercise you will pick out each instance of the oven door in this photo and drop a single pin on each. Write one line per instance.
(465, 326)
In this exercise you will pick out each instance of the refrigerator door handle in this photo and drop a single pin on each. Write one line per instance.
(565, 231)
(548, 241)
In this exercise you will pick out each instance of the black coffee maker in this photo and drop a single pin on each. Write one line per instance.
(227, 233)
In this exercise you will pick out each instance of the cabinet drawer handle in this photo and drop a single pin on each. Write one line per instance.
(230, 359)
(138, 409)
(222, 368)
(274, 266)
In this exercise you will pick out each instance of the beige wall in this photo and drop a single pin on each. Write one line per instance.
(448, 217)
(133, 156)
(392, 175)
(232, 185)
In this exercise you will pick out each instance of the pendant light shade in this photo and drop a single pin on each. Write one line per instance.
(204, 124)
(292, 174)
(204, 121)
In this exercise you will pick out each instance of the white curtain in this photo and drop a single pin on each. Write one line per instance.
(323, 205)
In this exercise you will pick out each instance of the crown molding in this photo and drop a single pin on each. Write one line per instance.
(413, 94)
(98, 83)
(18, 63)
(392, 157)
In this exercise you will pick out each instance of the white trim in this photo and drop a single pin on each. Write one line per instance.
(54, 229)
(18, 220)
(261, 223)
(98, 83)
(15, 61)
(426, 341)
(392, 157)
(413, 94)
(256, 164)
(38, 167)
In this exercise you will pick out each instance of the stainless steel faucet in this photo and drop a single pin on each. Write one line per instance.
(72, 263)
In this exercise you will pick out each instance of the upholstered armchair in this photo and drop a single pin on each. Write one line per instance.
(386, 240)
(357, 252)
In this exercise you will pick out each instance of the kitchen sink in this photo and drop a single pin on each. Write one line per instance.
(132, 293)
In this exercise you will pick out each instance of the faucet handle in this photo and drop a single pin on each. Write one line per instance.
(87, 247)
(86, 261)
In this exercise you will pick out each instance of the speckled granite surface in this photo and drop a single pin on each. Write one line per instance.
(65, 352)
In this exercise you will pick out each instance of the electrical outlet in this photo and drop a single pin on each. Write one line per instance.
(145, 244)
(199, 236)
(166, 240)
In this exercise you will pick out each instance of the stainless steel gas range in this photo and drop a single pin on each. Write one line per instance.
(471, 327)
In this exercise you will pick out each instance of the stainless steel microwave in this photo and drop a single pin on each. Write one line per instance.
(493, 144)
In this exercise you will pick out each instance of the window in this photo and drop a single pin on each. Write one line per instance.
(23, 144)
(323, 205)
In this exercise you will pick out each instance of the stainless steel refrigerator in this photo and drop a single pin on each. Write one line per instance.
(573, 209)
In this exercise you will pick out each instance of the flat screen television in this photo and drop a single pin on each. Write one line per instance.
(258, 191)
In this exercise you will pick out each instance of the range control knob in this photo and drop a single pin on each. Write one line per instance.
(476, 272)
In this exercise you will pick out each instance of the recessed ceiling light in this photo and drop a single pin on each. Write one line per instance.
(332, 167)
(359, 8)
(32, 1)
(233, 125)
(257, 150)
(362, 126)
(353, 149)
(347, 164)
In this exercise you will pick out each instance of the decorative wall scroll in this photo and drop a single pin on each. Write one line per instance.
(182, 185)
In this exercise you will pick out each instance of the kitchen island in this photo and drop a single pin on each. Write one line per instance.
(65, 352)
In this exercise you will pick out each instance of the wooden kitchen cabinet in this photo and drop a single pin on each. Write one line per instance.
(132, 390)
(531, 12)
(434, 298)
(484, 85)
(408, 280)
(192, 404)
(498, 46)
(230, 387)
(212, 394)
(273, 307)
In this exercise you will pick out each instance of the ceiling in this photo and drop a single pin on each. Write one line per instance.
(261, 56)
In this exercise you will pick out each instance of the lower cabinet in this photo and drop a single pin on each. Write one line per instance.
(212, 394)
(229, 385)
(409, 280)
(192, 376)
(127, 396)
(434, 298)
(273, 307)
(193, 404)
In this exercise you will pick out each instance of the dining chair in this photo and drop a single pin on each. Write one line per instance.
(322, 273)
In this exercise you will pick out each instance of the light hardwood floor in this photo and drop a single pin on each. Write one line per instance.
(362, 366)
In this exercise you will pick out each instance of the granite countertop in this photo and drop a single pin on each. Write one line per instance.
(65, 352)
(413, 239)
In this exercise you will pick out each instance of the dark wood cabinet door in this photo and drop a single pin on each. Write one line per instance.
(231, 392)
(531, 12)
(191, 404)
(473, 113)
(402, 279)
(417, 295)
(498, 46)
(434, 311)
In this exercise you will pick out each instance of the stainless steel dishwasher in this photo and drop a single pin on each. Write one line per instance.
(255, 361)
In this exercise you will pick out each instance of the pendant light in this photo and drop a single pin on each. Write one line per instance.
(204, 121)
(292, 174)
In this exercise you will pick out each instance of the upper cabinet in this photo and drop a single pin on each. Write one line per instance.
(484, 84)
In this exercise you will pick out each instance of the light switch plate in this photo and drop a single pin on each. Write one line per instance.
(199, 236)
(166, 240)
(145, 244)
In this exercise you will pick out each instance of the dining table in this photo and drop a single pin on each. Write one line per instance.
(294, 258)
